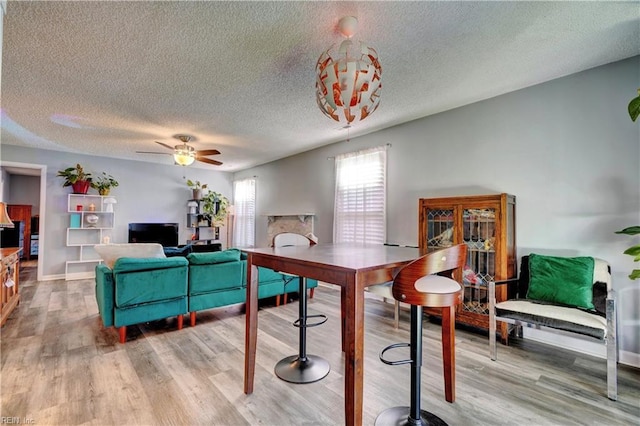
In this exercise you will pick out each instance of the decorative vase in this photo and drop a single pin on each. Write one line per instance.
(92, 220)
(197, 194)
(81, 186)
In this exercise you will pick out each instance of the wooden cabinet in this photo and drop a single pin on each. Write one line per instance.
(486, 224)
(22, 212)
(10, 296)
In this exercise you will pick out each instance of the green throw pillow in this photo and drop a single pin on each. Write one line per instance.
(562, 280)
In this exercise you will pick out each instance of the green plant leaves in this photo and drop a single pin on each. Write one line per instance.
(632, 230)
(634, 250)
(634, 107)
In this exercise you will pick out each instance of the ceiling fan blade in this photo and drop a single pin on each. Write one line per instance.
(150, 152)
(209, 161)
(165, 145)
(204, 152)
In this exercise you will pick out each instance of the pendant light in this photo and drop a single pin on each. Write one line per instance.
(348, 81)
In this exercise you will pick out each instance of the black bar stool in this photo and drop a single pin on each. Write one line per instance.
(417, 285)
(301, 368)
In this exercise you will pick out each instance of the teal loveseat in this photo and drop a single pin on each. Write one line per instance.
(219, 279)
(138, 290)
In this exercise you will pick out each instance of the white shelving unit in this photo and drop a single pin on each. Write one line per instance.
(85, 231)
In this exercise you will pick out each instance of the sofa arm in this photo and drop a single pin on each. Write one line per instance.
(105, 293)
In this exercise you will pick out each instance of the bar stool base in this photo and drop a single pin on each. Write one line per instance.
(294, 370)
(399, 416)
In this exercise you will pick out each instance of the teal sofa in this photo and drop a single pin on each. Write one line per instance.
(138, 290)
(219, 279)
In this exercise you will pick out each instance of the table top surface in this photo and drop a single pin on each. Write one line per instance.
(8, 251)
(348, 256)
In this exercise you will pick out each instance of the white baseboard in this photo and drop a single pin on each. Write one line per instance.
(571, 342)
(629, 358)
(53, 277)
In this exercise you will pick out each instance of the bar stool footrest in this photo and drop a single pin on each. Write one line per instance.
(397, 416)
(395, 346)
(297, 323)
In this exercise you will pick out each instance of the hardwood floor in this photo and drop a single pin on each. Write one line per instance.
(59, 366)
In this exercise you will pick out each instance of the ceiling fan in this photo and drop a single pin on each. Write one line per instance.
(184, 154)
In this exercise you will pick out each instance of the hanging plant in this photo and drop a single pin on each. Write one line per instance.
(214, 207)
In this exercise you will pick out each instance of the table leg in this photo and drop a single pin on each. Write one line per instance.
(353, 310)
(449, 352)
(251, 327)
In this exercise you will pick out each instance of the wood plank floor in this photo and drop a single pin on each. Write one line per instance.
(60, 367)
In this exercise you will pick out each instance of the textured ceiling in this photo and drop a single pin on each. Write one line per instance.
(110, 78)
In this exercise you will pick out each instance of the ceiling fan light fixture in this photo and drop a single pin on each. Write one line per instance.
(184, 155)
(348, 78)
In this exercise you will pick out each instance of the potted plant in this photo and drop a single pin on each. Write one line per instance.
(104, 183)
(197, 188)
(214, 207)
(76, 178)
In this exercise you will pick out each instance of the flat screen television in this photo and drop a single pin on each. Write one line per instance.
(162, 233)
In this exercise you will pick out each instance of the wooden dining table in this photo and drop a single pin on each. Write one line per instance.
(351, 266)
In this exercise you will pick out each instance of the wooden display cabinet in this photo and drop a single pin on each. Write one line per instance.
(486, 224)
(22, 212)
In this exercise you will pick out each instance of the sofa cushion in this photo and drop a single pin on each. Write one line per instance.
(140, 281)
(230, 255)
(112, 252)
(559, 317)
(215, 277)
(562, 280)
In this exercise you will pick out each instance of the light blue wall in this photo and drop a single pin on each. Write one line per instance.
(566, 149)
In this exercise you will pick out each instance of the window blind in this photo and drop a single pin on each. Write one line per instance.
(360, 197)
(244, 225)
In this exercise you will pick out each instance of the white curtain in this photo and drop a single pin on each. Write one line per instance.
(360, 203)
(244, 225)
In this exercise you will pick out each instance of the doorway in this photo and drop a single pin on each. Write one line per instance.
(11, 195)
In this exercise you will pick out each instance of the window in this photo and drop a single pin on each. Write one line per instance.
(360, 203)
(244, 225)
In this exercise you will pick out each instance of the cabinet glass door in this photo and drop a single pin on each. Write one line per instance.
(479, 234)
(440, 226)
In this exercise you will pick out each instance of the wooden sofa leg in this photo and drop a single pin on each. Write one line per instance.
(180, 321)
(192, 318)
(277, 300)
(123, 333)
(449, 352)
(312, 292)
(284, 298)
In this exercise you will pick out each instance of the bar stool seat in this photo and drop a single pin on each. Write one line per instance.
(417, 285)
